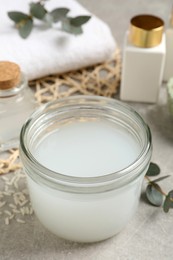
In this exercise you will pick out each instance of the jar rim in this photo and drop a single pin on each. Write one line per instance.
(85, 182)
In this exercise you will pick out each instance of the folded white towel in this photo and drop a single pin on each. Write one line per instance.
(49, 51)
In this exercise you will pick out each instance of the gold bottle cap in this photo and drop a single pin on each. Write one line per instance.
(146, 31)
(9, 74)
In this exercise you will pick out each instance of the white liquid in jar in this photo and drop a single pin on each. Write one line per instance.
(85, 149)
(88, 149)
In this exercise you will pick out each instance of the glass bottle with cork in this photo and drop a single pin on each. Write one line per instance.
(143, 59)
(17, 102)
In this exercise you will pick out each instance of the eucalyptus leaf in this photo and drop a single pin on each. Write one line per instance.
(58, 14)
(80, 20)
(17, 16)
(153, 195)
(161, 178)
(67, 27)
(168, 203)
(25, 28)
(37, 10)
(153, 170)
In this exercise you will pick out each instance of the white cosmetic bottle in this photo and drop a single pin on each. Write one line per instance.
(143, 59)
(168, 70)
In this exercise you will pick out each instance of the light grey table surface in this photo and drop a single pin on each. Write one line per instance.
(149, 235)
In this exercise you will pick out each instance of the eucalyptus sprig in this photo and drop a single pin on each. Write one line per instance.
(25, 22)
(154, 193)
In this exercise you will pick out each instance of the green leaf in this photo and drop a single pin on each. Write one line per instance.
(25, 28)
(67, 27)
(17, 16)
(80, 20)
(58, 14)
(153, 170)
(153, 195)
(168, 203)
(37, 10)
(161, 178)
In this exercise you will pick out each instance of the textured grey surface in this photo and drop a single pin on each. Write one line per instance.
(149, 235)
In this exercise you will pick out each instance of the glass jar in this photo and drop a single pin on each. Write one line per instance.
(81, 207)
(17, 102)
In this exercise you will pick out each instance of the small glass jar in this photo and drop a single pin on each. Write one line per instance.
(17, 102)
(84, 208)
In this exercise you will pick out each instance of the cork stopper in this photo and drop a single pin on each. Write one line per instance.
(9, 75)
(146, 31)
